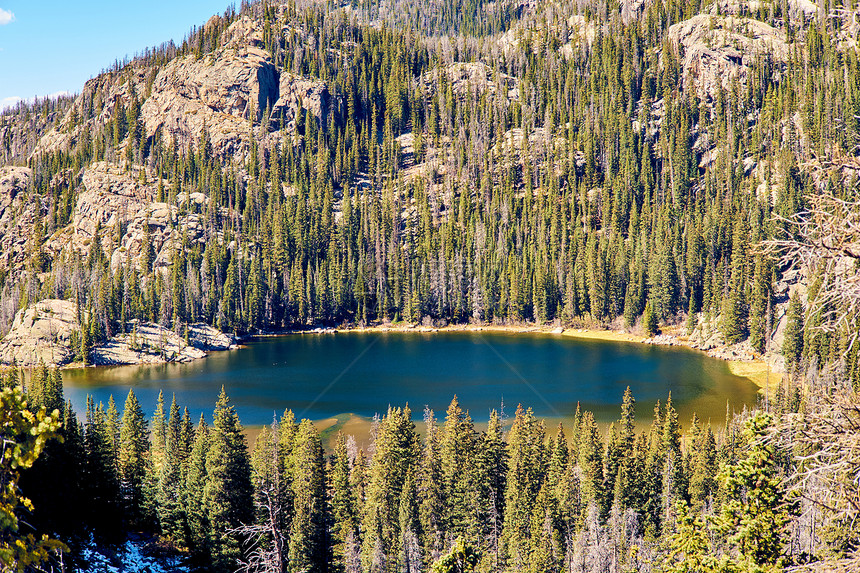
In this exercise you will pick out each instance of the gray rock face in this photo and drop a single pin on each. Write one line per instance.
(147, 343)
(217, 93)
(107, 91)
(43, 333)
(473, 77)
(297, 94)
(715, 50)
(113, 195)
(225, 94)
(17, 216)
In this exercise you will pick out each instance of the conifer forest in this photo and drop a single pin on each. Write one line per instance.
(644, 166)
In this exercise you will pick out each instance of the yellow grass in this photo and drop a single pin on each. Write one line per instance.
(359, 427)
(757, 371)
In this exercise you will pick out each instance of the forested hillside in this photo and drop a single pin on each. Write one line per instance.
(294, 164)
(629, 164)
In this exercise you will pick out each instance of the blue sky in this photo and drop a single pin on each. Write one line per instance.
(52, 46)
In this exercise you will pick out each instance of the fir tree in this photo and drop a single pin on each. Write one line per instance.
(792, 345)
(227, 493)
(133, 457)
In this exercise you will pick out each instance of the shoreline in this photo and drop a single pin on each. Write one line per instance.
(743, 363)
(757, 370)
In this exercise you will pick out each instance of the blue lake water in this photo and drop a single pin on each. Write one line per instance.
(322, 375)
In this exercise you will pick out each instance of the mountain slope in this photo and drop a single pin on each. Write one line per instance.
(286, 166)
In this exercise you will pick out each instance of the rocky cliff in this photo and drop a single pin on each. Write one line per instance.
(222, 96)
(717, 50)
(122, 204)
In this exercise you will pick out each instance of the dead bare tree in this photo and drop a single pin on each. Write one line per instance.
(825, 438)
(825, 240)
(266, 540)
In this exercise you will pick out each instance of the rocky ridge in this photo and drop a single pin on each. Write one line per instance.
(225, 94)
(17, 215)
(716, 50)
(470, 78)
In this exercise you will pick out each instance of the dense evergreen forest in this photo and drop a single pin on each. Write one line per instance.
(606, 181)
(576, 163)
(516, 497)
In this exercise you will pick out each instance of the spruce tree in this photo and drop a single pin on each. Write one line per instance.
(756, 511)
(792, 345)
(457, 457)
(198, 540)
(344, 510)
(171, 514)
(735, 312)
(307, 551)
(649, 320)
(525, 475)
(133, 457)
(227, 493)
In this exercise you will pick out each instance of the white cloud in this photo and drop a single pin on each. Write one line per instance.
(8, 102)
(6, 17)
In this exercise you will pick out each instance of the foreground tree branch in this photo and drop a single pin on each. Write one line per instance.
(824, 241)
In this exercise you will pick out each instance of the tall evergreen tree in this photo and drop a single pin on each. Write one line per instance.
(133, 458)
(227, 493)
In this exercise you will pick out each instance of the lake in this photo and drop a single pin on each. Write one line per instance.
(322, 375)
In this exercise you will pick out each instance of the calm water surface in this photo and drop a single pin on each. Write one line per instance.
(318, 376)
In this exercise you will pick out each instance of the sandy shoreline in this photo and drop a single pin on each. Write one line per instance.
(757, 370)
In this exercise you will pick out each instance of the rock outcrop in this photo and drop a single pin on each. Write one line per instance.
(218, 94)
(112, 90)
(224, 94)
(471, 78)
(715, 50)
(111, 196)
(298, 94)
(147, 343)
(17, 215)
(41, 333)
(45, 332)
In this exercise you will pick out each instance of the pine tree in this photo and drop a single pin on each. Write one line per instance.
(649, 320)
(101, 483)
(431, 487)
(525, 472)
(756, 512)
(761, 304)
(228, 493)
(133, 457)
(690, 549)
(792, 345)
(590, 461)
(307, 551)
(198, 540)
(344, 510)
(735, 313)
(489, 473)
(171, 514)
(397, 449)
(27, 431)
(702, 464)
(457, 459)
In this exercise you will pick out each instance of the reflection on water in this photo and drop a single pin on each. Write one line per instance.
(318, 376)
